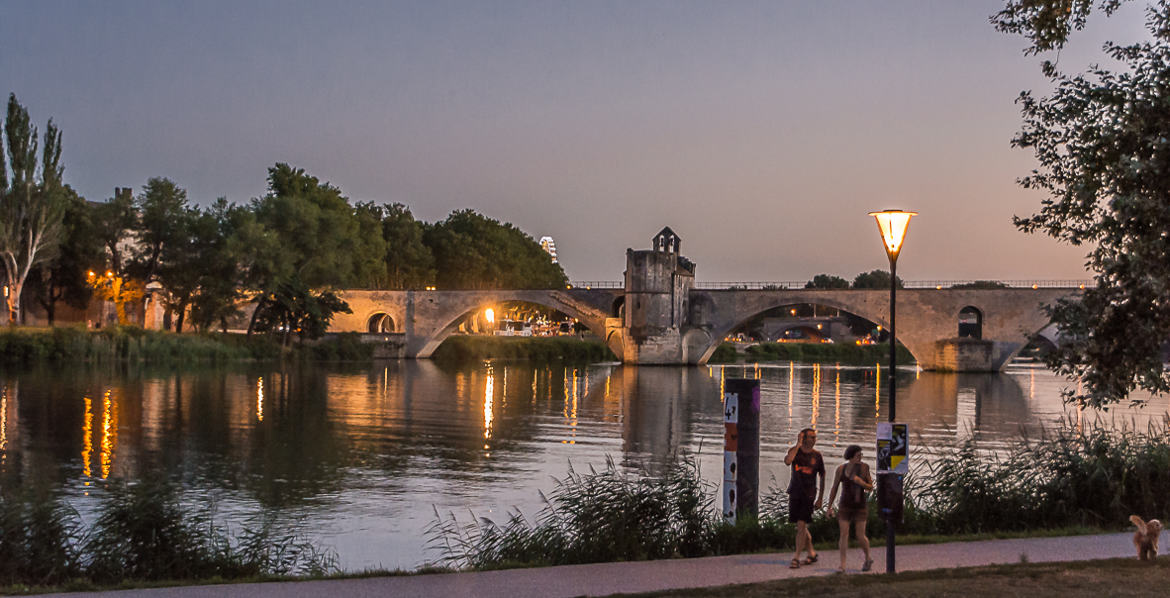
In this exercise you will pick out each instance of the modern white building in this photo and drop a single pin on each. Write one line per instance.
(547, 244)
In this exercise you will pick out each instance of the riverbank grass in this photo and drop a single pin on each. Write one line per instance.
(845, 353)
(74, 344)
(468, 348)
(1073, 477)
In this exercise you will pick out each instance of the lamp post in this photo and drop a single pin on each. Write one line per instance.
(892, 225)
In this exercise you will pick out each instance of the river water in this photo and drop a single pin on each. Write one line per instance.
(363, 457)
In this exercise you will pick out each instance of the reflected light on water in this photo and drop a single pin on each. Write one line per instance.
(837, 407)
(260, 399)
(877, 391)
(791, 386)
(489, 399)
(87, 439)
(4, 423)
(816, 395)
(109, 433)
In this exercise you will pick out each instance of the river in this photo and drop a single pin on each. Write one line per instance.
(361, 457)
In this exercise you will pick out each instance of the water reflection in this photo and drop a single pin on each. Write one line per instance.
(364, 455)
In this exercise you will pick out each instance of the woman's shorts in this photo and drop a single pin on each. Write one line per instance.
(857, 515)
(800, 507)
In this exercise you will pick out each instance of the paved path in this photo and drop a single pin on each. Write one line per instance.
(613, 578)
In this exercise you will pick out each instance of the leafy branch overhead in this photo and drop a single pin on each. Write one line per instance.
(1102, 143)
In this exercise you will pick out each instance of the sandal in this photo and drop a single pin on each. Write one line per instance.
(795, 564)
(810, 559)
(868, 565)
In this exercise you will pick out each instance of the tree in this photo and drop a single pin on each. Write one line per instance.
(319, 232)
(114, 224)
(828, 281)
(161, 223)
(981, 284)
(219, 289)
(1102, 141)
(305, 232)
(293, 307)
(475, 252)
(31, 207)
(874, 279)
(63, 279)
(409, 262)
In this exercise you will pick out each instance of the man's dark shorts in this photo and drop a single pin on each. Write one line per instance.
(800, 507)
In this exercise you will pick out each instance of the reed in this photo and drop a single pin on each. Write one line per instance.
(465, 348)
(142, 533)
(1068, 478)
(31, 346)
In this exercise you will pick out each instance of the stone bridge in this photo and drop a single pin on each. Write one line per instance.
(427, 318)
(927, 319)
(659, 317)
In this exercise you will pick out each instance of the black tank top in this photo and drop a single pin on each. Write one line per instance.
(852, 494)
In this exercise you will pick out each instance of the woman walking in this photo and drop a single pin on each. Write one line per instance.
(853, 479)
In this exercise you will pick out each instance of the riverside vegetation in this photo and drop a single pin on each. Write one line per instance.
(142, 533)
(814, 352)
(1069, 478)
(461, 349)
(30, 346)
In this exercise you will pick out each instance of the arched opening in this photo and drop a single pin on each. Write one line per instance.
(970, 323)
(522, 316)
(380, 323)
(619, 308)
(763, 335)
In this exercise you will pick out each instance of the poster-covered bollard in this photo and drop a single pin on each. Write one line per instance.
(893, 463)
(741, 448)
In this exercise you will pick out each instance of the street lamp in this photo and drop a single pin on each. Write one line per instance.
(892, 225)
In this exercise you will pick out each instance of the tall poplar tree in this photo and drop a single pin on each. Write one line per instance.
(31, 201)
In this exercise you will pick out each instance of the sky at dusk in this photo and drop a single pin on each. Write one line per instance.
(761, 132)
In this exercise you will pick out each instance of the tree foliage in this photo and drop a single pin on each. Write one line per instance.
(981, 284)
(1102, 141)
(472, 251)
(827, 281)
(32, 202)
(63, 278)
(874, 279)
(409, 262)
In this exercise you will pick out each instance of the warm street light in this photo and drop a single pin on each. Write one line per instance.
(892, 225)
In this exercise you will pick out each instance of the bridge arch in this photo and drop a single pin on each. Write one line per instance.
(434, 327)
(971, 322)
(735, 308)
(380, 323)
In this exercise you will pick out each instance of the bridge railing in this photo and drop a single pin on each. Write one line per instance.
(799, 284)
(598, 284)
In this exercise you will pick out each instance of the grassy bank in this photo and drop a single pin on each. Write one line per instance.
(1090, 479)
(30, 346)
(141, 533)
(811, 352)
(460, 349)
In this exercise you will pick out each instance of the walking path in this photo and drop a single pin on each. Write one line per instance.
(646, 576)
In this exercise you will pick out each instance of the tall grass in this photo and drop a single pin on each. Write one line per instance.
(1095, 477)
(607, 515)
(142, 533)
(832, 352)
(28, 346)
(462, 349)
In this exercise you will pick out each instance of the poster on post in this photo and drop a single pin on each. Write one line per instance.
(893, 447)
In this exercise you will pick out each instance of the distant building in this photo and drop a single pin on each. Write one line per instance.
(550, 246)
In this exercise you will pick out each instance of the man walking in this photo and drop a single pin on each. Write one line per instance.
(804, 492)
